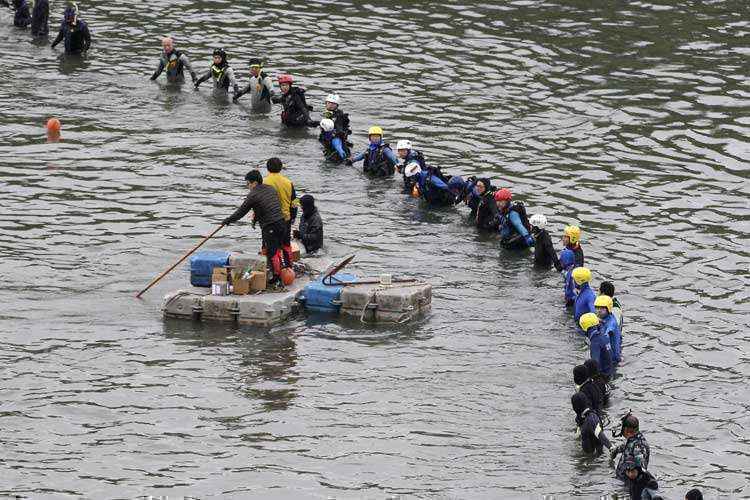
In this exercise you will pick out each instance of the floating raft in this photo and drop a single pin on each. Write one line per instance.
(317, 290)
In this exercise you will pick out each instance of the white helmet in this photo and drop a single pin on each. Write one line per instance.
(538, 220)
(326, 124)
(403, 144)
(412, 169)
(334, 98)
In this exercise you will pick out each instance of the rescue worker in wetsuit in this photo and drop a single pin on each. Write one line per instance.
(586, 296)
(694, 494)
(296, 112)
(379, 160)
(288, 202)
(428, 186)
(584, 384)
(334, 149)
(264, 202)
(572, 239)
(635, 446)
(174, 62)
(22, 17)
(590, 428)
(608, 288)
(513, 223)
(471, 196)
(567, 261)
(341, 130)
(603, 305)
(409, 155)
(40, 18)
(598, 379)
(260, 88)
(544, 252)
(310, 231)
(600, 348)
(486, 218)
(221, 72)
(74, 32)
(641, 484)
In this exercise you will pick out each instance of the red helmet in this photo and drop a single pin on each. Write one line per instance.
(286, 79)
(503, 195)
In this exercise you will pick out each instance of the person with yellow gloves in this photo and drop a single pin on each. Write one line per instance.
(586, 296)
(604, 305)
(600, 348)
(288, 203)
(379, 159)
(572, 239)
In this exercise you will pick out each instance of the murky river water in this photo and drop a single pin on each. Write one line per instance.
(630, 118)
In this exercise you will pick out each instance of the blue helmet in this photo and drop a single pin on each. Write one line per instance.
(567, 258)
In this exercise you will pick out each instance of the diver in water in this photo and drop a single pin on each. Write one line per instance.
(74, 32)
(590, 428)
(174, 62)
(379, 160)
(635, 447)
(260, 88)
(572, 239)
(544, 252)
(586, 297)
(513, 223)
(296, 111)
(221, 72)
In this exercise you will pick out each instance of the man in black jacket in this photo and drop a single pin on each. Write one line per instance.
(264, 202)
(296, 112)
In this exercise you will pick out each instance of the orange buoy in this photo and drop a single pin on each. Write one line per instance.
(53, 126)
(415, 191)
(287, 276)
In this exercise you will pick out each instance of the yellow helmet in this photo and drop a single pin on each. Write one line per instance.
(588, 320)
(604, 301)
(375, 131)
(581, 275)
(573, 232)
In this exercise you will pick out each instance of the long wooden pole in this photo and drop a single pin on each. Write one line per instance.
(196, 247)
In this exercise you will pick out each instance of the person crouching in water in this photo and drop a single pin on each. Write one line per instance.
(264, 202)
(174, 62)
(221, 72)
(513, 223)
(590, 428)
(334, 148)
(260, 88)
(379, 160)
(544, 252)
(296, 112)
(74, 32)
(428, 186)
(641, 484)
(310, 231)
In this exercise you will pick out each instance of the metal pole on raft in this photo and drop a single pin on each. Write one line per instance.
(196, 247)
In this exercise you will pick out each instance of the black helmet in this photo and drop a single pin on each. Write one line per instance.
(220, 52)
(256, 62)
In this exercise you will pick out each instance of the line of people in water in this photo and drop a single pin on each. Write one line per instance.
(274, 203)
(73, 32)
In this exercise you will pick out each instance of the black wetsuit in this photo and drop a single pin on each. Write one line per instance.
(487, 213)
(296, 112)
(77, 37)
(544, 252)
(40, 18)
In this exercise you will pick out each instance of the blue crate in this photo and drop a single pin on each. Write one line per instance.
(202, 265)
(325, 298)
